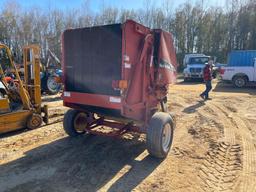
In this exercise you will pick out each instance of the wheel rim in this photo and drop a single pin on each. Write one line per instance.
(35, 121)
(80, 122)
(166, 137)
(52, 84)
(240, 82)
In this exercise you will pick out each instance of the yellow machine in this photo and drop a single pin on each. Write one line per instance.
(20, 102)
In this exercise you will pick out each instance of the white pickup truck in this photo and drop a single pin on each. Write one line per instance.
(241, 68)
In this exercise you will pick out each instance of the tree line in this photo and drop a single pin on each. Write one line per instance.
(197, 27)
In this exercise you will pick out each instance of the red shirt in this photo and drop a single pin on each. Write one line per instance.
(207, 73)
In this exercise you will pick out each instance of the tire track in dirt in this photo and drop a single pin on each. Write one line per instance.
(248, 178)
(238, 152)
(222, 165)
(206, 129)
(229, 131)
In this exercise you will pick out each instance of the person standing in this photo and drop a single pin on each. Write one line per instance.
(207, 74)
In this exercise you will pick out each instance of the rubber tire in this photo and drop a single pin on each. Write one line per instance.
(241, 78)
(29, 123)
(52, 91)
(174, 119)
(68, 123)
(154, 134)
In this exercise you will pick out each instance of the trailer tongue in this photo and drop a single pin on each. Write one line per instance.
(118, 76)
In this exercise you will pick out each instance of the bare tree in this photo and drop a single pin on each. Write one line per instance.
(196, 27)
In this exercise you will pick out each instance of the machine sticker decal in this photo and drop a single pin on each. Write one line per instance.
(127, 65)
(126, 58)
(66, 94)
(165, 64)
(115, 99)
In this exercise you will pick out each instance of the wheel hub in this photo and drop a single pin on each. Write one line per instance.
(240, 82)
(52, 84)
(166, 137)
(80, 122)
(34, 121)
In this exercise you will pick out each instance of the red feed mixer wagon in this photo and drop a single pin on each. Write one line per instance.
(117, 76)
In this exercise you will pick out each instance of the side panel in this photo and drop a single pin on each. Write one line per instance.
(134, 36)
(242, 58)
(13, 121)
(167, 63)
(105, 101)
(230, 72)
(149, 65)
(92, 59)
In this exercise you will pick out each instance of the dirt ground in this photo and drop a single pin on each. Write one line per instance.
(214, 149)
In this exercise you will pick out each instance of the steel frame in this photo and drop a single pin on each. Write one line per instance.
(122, 128)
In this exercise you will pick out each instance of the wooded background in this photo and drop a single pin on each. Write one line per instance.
(195, 27)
